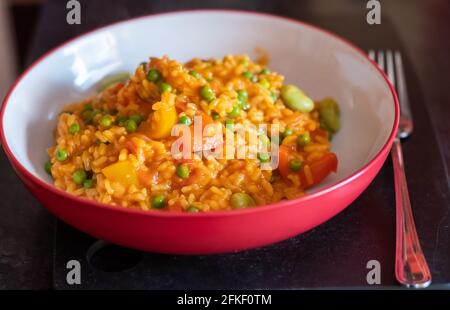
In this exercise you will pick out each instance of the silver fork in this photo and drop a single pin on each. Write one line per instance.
(411, 268)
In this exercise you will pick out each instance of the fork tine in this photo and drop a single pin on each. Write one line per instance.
(372, 54)
(401, 86)
(381, 60)
(390, 67)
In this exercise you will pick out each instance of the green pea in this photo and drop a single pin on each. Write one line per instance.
(329, 115)
(193, 209)
(264, 83)
(295, 164)
(89, 183)
(137, 118)
(215, 116)
(207, 93)
(105, 121)
(241, 201)
(153, 75)
(74, 128)
(264, 157)
(61, 155)
(235, 112)
(264, 140)
(265, 71)
(195, 74)
(304, 139)
(248, 75)
(79, 176)
(242, 100)
(88, 106)
(164, 87)
(287, 132)
(183, 171)
(48, 167)
(229, 124)
(130, 125)
(185, 120)
(295, 99)
(120, 120)
(242, 96)
(158, 201)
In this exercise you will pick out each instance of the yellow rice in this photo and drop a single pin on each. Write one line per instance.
(95, 147)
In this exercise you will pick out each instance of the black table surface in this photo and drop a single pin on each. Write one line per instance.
(333, 254)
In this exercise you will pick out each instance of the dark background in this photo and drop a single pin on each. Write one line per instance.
(330, 255)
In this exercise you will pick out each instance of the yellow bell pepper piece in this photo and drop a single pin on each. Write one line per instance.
(163, 118)
(122, 172)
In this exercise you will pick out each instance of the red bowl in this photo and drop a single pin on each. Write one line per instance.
(370, 110)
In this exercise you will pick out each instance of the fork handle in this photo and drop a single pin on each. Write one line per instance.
(411, 268)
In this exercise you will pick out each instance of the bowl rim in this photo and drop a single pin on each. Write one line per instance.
(240, 212)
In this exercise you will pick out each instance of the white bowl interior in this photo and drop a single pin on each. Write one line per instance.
(320, 64)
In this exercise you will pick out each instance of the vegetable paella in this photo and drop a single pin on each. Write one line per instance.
(116, 147)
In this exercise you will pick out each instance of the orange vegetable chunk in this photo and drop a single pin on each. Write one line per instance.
(122, 172)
